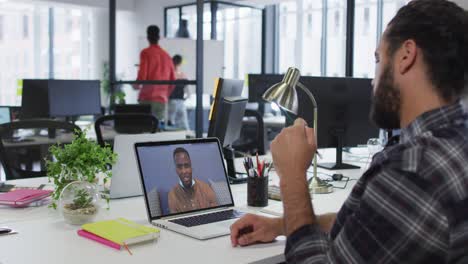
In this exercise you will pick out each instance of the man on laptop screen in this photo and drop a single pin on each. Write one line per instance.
(188, 194)
(186, 188)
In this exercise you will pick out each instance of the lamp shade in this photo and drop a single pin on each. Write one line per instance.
(284, 93)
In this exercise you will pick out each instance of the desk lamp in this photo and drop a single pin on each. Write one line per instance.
(284, 95)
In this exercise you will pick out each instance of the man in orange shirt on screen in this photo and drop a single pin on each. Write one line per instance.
(155, 64)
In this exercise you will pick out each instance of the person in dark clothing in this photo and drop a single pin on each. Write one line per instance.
(177, 110)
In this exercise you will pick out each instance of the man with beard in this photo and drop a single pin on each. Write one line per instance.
(189, 194)
(411, 205)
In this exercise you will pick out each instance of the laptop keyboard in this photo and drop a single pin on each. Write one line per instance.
(203, 219)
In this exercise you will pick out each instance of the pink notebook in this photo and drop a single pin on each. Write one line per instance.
(23, 197)
(99, 239)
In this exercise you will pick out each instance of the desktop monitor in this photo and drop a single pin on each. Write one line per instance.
(227, 128)
(71, 98)
(259, 83)
(128, 125)
(228, 124)
(132, 108)
(343, 110)
(343, 113)
(224, 88)
(5, 115)
(35, 99)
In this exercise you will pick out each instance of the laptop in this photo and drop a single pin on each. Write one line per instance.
(125, 179)
(186, 188)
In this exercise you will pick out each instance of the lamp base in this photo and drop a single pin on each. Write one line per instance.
(318, 186)
(337, 166)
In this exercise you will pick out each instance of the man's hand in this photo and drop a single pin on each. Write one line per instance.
(293, 150)
(254, 228)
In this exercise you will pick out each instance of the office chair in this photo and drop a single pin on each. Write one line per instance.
(18, 155)
(260, 142)
(131, 123)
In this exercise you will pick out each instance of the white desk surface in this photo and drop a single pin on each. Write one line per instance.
(43, 237)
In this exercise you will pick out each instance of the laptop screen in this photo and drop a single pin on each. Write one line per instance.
(182, 176)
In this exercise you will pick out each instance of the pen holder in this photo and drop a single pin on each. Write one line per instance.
(257, 191)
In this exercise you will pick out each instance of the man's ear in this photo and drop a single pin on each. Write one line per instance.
(406, 56)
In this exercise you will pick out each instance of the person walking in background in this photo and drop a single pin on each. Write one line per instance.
(155, 64)
(177, 111)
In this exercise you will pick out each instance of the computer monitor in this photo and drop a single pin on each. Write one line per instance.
(5, 115)
(223, 88)
(128, 125)
(343, 114)
(227, 129)
(132, 108)
(259, 83)
(35, 99)
(226, 115)
(71, 98)
(343, 110)
(228, 124)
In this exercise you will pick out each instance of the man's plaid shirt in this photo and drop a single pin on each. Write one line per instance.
(410, 206)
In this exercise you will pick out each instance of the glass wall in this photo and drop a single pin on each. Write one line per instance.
(367, 34)
(365, 38)
(312, 36)
(336, 38)
(72, 44)
(239, 27)
(25, 49)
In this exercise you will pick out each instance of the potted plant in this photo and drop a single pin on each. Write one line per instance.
(81, 160)
(79, 202)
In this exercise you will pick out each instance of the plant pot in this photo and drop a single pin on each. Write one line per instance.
(79, 202)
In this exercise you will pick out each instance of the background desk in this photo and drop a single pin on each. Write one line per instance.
(44, 238)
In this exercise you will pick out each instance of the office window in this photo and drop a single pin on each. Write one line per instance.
(26, 53)
(365, 29)
(172, 22)
(366, 33)
(336, 40)
(2, 22)
(25, 26)
(22, 56)
(240, 27)
(307, 52)
(312, 43)
(288, 44)
(390, 8)
(365, 38)
(189, 13)
(72, 43)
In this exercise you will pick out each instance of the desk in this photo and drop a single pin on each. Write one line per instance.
(43, 237)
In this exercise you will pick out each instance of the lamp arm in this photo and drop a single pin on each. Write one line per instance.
(309, 93)
(314, 103)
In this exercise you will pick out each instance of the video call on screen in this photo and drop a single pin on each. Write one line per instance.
(181, 178)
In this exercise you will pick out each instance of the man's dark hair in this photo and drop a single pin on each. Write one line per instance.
(152, 33)
(440, 30)
(177, 59)
(180, 150)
